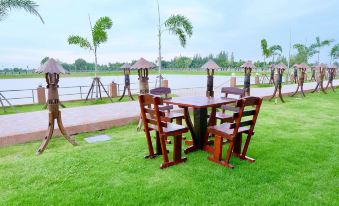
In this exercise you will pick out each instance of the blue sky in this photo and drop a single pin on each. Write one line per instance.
(233, 26)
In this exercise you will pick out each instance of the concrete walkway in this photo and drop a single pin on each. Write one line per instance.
(23, 127)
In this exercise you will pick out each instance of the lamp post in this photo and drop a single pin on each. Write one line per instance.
(280, 68)
(127, 71)
(52, 71)
(248, 66)
(210, 67)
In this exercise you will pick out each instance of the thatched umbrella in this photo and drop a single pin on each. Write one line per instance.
(52, 70)
(248, 67)
(127, 71)
(302, 73)
(332, 69)
(280, 68)
(210, 67)
(142, 65)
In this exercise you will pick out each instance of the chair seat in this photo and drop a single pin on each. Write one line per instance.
(174, 115)
(223, 116)
(224, 130)
(171, 129)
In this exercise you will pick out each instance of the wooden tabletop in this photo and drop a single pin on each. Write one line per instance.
(200, 102)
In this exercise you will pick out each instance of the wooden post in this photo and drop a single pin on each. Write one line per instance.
(165, 83)
(113, 89)
(257, 81)
(41, 95)
(233, 81)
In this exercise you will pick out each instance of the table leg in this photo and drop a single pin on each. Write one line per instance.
(200, 126)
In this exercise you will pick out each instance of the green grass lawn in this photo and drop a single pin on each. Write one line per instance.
(296, 147)
(78, 103)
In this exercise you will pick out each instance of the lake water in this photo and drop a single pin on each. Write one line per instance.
(176, 82)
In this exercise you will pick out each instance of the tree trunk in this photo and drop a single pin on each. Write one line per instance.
(159, 39)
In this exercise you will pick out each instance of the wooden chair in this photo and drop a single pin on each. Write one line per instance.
(155, 119)
(171, 116)
(233, 132)
(223, 116)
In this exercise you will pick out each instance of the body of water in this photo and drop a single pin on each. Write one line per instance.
(176, 82)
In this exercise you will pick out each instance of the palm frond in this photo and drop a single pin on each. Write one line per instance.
(99, 30)
(265, 51)
(27, 5)
(180, 26)
(80, 41)
(275, 48)
(335, 52)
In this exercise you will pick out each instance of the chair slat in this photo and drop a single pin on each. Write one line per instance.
(230, 108)
(152, 112)
(248, 113)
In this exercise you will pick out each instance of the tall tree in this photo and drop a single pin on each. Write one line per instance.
(304, 53)
(178, 25)
(264, 49)
(29, 6)
(334, 53)
(99, 36)
(275, 50)
(271, 51)
(320, 44)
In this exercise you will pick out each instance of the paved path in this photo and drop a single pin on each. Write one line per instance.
(23, 127)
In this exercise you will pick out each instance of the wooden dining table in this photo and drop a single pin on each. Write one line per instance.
(200, 105)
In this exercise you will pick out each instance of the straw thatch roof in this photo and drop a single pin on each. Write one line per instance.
(52, 67)
(126, 66)
(210, 64)
(323, 66)
(281, 66)
(295, 65)
(248, 64)
(333, 66)
(303, 66)
(143, 64)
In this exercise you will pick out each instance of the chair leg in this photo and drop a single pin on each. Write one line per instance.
(165, 164)
(150, 146)
(177, 150)
(244, 151)
(158, 144)
(226, 163)
(217, 151)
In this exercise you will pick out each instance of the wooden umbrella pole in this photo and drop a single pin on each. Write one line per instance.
(278, 85)
(320, 80)
(331, 72)
(54, 113)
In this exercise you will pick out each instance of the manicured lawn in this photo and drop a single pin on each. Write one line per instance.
(78, 103)
(296, 147)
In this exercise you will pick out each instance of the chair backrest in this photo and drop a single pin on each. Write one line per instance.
(150, 112)
(164, 93)
(249, 108)
(232, 91)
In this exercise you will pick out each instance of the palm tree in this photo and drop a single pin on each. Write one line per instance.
(304, 52)
(320, 44)
(275, 50)
(7, 5)
(271, 51)
(99, 36)
(334, 53)
(265, 51)
(178, 25)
